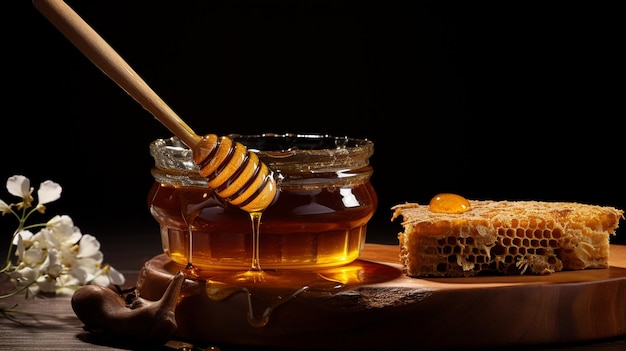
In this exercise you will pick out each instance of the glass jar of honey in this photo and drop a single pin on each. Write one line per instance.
(317, 220)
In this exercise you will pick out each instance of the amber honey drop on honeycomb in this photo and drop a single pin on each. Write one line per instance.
(449, 203)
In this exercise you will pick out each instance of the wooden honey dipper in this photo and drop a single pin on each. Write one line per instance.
(236, 175)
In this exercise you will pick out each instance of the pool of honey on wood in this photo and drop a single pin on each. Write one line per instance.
(266, 290)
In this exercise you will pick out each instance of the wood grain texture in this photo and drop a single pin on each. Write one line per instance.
(403, 313)
(578, 311)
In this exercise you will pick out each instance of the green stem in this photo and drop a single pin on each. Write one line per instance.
(7, 261)
(17, 291)
(20, 227)
(26, 215)
(33, 226)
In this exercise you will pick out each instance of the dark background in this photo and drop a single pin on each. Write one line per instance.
(491, 100)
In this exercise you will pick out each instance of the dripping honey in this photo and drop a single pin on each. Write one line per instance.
(319, 218)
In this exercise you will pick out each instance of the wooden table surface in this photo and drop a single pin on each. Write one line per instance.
(50, 323)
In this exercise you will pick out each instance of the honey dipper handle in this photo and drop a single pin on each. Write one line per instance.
(92, 45)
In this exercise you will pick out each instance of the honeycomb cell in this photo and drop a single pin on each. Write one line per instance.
(499, 250)
(529, 233)
(442, 267)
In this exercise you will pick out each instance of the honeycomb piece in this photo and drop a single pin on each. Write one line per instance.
(505, 237)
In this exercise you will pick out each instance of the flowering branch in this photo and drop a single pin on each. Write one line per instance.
(58, 256)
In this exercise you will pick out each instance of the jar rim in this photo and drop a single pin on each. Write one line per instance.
(276, 146)
(276, 149)
(287, 154)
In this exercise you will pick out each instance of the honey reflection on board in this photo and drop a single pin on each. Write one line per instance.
(267, 290)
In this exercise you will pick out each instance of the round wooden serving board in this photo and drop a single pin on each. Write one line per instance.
(388, 310)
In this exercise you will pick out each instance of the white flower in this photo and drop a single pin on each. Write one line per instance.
(49, 272)
(19, 186)
(4, 208)
(89, 247)
(25, 277)
(54, 261)
(58, 257)
(22, 235)
(84, 259)
(48, 191)
(108, 275)
(34, 256)
(60, 231)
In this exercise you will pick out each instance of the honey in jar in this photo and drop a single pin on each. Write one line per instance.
(317, 220)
